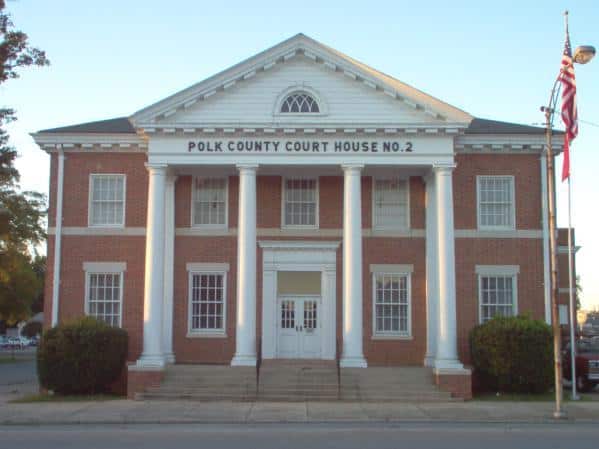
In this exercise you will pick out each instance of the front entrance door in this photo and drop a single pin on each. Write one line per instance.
(299, 329)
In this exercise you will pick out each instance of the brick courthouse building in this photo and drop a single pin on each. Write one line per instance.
(298, 205)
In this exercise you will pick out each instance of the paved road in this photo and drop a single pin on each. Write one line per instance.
(287, 436)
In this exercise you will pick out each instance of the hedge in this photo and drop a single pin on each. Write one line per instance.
(513, 354)
(81, 357)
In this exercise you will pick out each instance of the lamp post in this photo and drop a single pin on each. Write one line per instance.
(582, 55)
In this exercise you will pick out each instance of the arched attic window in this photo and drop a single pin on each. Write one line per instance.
(299, 103)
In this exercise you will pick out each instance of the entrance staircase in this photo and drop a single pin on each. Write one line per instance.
(296, 381)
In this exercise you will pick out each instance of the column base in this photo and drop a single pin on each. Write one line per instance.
(243, 360)
(169, 358)
(429, 361)
(353, 362)
(447, 364)
(151, 361)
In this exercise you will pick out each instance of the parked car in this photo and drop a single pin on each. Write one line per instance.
(587, 364)
(3, 341)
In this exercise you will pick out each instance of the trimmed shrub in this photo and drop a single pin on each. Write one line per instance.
(82, 357)
(32, 329)
(513, 354)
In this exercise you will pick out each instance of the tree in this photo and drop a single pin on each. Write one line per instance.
(21, 213)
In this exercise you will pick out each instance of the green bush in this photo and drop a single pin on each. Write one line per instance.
(32, 329)
(82, 357)
(513, 354)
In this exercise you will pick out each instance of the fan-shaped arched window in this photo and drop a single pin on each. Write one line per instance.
(299, 102)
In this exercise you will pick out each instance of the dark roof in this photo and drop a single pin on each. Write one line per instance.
(120, 125)
(484, 126)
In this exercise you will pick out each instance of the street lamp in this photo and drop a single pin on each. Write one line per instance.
(582, 55)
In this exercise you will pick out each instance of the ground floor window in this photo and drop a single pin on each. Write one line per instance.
(207, 293)
(497, 292)
(391, 301)
(104, 296)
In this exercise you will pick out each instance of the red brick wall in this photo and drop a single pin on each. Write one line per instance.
(525, 168)
(78, 167)
(527, 253)
(79, 249)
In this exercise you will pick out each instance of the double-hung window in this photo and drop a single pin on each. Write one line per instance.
(496, 203)
(497, 291)
(391, 301)
(104, 291)
(106, 200)
(207, 299)
(300, 202)
(390, 204)
(209, 207)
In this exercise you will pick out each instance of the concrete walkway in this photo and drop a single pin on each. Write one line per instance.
(132, 412)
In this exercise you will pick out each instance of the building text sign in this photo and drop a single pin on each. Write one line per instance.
(299, 146)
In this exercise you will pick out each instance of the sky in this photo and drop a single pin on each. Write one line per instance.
(494, 60)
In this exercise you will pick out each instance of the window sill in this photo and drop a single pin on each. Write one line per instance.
(392, 337)
(106, 226)
(198, 334)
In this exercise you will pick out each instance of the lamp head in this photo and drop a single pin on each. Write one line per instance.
(583, 54)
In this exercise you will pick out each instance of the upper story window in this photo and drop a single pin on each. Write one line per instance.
(209, 198)
(300, 202)
(496, 204)
(299, 102)
(107, 200)
(390, 204)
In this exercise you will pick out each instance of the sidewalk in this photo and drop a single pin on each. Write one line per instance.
(139, 412)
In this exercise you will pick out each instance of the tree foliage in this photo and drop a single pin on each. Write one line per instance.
(21, 213)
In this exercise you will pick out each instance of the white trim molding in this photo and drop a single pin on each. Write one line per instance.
(392, 268)
(207, 267)
(105, 267)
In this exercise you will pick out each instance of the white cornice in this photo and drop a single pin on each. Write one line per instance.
(126, 143)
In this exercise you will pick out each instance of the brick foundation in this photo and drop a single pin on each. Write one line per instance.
(138, 379)
(458, 382)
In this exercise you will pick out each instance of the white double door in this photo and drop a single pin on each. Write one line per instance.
(299, 334)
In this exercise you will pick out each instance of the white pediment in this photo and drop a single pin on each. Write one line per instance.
(350, 94)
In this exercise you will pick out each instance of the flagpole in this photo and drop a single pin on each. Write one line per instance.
(572, 305)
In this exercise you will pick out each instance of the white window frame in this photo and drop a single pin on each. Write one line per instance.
(392, 270)
(224, 225)
(97, 268)
(373, 208)
(511, 178)
(317, 207)
(208, 269)
(300, 88)
(497, 271)
(93, 176)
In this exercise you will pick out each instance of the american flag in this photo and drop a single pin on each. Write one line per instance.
(569, 112)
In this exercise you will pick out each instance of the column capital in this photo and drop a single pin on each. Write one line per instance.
(159, 169)
(171, 178)
(352, 167)
(247, 167)
(444, 167)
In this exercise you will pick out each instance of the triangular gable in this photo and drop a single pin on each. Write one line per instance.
(300, 45)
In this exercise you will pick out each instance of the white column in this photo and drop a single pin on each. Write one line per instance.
(352, 354)
(432, 294)
(245, 338)
(447, 349)
(169, 260)
(57, 238)
(152, 355)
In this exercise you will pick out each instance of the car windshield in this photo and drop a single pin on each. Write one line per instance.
(586, 347)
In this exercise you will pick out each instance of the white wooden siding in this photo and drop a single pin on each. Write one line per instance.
(253, 100)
